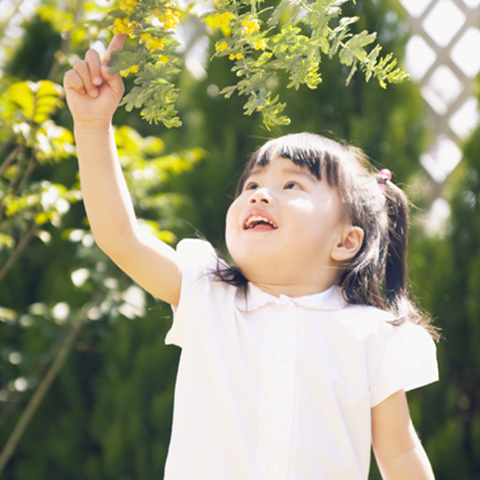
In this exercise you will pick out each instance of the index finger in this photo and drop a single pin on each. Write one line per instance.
(116, 44)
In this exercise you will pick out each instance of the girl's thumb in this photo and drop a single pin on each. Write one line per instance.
(116, 44)
(115, 82)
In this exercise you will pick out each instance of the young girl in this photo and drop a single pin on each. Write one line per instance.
(295, 361)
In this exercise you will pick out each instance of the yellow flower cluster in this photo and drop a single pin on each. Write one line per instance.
(132, 69)
(152, 43)
(250, 26)
(237, 56)
(170, 17)
(222, 20)
(123, 25)
(260, 45)
(220, 47)
(127, 5)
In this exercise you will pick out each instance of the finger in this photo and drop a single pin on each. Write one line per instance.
(115, 82)
(72, 81)
(93, 61)
(116, 44)
(83, 71)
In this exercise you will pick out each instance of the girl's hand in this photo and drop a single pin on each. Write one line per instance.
(92, 93)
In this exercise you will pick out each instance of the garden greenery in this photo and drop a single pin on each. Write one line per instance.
(261, 42)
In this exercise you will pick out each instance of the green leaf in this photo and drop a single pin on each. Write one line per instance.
(21, 94)
(352, 71)
(278, 12)
(37, 101)
(354, 48)
(228, 91)
(371, 62)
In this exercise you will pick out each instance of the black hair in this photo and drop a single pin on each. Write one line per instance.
(377, 275)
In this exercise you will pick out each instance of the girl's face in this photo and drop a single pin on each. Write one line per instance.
(282, 229)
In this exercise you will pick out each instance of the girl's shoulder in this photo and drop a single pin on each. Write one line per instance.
(367, 317)
(194, 247)
(197, 254)
(390, 346)
(368, 321)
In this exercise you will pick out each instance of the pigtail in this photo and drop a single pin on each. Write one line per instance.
(377, 276)
(395, 277)
(396, 257)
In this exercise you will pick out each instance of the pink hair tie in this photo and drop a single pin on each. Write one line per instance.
(383, 177)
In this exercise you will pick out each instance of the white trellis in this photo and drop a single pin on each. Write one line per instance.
(444, 55)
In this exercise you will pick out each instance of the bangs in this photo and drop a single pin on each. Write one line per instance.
(319, 155)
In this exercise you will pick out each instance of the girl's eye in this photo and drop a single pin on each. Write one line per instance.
(291, 185)
(251, 186)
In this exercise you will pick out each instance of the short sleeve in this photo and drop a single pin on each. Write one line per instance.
(408, 361)
(198, 260)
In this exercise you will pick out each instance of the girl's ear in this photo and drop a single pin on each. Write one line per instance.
(349, 244)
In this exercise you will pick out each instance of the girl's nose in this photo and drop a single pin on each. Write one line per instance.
(260, 195)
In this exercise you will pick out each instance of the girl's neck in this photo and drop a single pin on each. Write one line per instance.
(290, 279)
(292, 290)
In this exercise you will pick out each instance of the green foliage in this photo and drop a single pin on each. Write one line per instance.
(35, 57)
(148, 170)
(96, 292)
(138, 418)
(152, 56)
(54, 279)
(30, 139)
(30, 102)
(153, 90)
(261, 43)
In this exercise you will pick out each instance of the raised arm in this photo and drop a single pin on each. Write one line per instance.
(399, 453)
(93, 96)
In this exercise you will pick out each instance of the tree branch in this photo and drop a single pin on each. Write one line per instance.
(39, 394)
(11, 158)
(18, 251)
(4, 145)
(26, 176)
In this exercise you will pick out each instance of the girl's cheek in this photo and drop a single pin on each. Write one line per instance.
(303, 205)
(231, 213)
(231, 208)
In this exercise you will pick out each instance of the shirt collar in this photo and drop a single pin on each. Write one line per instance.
(330, 299)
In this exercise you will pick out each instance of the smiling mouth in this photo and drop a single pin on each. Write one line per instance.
(259, 221)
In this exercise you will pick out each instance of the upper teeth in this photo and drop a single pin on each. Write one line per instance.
(258, 218)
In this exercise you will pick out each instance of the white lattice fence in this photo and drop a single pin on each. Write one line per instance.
(444, 55)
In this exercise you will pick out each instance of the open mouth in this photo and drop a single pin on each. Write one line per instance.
(259, 222)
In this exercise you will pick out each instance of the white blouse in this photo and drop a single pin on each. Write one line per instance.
(277, 387)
